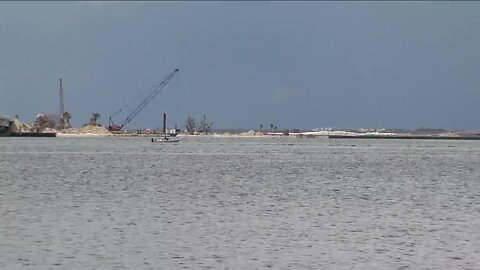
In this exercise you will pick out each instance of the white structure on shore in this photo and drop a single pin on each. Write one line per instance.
(10, 125)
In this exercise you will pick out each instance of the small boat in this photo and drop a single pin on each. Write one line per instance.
(166, 139)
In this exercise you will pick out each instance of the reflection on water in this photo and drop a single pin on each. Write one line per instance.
(239, 203)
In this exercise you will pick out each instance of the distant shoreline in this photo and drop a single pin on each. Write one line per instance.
(332, 135)
(99, 131)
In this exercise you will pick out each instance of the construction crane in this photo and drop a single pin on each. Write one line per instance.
(157, 89)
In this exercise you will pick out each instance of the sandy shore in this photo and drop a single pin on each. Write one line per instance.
(59, 134)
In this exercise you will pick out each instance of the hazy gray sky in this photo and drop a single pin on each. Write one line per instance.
(294, 64)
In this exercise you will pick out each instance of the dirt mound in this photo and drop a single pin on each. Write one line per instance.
(88, 129)
(94, 129)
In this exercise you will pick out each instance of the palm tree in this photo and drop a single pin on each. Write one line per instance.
(94, 118)
(66, 120)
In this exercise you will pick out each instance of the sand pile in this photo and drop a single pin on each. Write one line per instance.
(86, 130)
(94, 129)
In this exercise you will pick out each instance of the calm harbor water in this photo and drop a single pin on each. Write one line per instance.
(239, 203)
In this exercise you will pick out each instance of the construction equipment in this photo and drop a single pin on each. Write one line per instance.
(157, 89)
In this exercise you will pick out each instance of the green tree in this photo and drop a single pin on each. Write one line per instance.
(66, 120)
(94, 118)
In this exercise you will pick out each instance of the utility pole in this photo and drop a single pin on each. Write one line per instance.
(62, 121)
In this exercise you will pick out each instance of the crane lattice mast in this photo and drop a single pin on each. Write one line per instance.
(113, 127)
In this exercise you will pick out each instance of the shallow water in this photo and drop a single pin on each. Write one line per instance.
(239, 203)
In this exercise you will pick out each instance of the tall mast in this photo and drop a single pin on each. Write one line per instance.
(165, 125)
(62, 122)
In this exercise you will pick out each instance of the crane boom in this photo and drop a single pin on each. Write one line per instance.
(141, 105)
